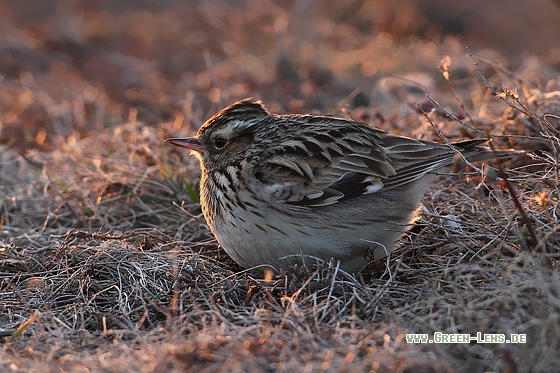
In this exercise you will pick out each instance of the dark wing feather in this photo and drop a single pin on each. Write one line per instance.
(328, 160)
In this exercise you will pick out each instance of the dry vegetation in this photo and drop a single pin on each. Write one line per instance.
(106, 264)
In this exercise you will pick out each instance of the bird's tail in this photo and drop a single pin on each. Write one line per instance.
(474, 152)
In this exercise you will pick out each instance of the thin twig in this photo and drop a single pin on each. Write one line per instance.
(442, 136)
(518, 206)
(500, 95)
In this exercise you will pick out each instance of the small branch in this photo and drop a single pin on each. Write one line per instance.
(471, 127)
(501, 95)
(518, 206)
(454, 117)
(442, 136)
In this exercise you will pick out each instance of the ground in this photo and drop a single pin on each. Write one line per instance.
(106, 264)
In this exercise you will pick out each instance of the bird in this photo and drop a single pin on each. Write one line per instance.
(278, 190)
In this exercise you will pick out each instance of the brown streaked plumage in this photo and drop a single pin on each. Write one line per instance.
(281, 189)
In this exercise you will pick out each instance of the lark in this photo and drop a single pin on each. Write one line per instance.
(283, 189)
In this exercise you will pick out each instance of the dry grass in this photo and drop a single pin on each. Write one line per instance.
(106, 264)
(142, 286)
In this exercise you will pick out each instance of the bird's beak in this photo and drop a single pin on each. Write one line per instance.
(190, 143)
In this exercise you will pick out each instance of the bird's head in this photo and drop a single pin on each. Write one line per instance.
(227, 136)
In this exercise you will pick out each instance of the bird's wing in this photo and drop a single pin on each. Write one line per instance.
(413, 159)
(333, 159)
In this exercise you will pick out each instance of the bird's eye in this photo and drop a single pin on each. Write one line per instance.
(219, 143)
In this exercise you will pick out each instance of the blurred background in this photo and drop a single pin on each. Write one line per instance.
(70, 67)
